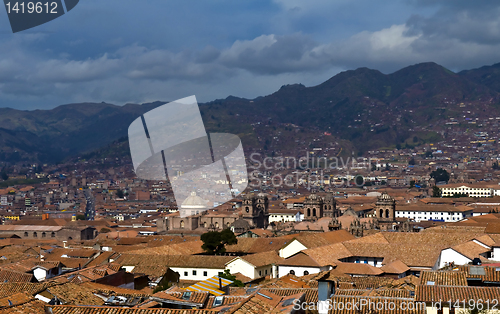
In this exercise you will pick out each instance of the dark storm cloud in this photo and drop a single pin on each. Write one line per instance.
(118, 52)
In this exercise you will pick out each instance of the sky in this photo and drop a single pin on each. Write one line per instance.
(137, 51)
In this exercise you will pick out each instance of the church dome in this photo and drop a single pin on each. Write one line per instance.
(194, 201)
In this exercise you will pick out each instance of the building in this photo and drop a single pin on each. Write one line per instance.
(255, 214)
(445, 213)
(63, 233)
(471, 190)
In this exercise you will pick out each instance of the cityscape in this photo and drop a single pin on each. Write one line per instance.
(322, 157)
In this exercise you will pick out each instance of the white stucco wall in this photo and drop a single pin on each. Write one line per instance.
(199, 273)
(241, 266)
(39, 274)
(299, 270)
(291, 248)
(450, 255)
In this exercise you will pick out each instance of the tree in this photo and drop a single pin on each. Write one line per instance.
(214, 242)
(120, 194)
(411, 162)
(436, 192)
(496, 166)
(440, 175)
(4, 176)
(80, 217)
(227, 275)
(162, 287)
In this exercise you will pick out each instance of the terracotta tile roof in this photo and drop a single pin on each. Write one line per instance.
(76, 294)
(150, 270)
(194, 297)
(10, 288)
(287, 281)
(380, 292)
(358, 269)
(13, 276)
(103, 258)
(14, 300)
(311, 294)
(69, 309)
(262, 259)
(34, 307)
(226, 300)
(436, 293)
(395, 267)
(328, 254)
(470, 249)
(443, 278)
(491, 274)
(371, 282)
(112, 290)
(486, 239)
(258, 245)
(183, 248)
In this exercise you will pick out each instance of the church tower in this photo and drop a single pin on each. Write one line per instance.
(330, 206)
(385, 207)
(313, 207)
(256, 210)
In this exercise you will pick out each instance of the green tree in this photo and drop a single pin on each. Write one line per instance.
(80, 217)
(214, 242)
(440, 175)
(436, 191)
(496, 166)
(120, 194)
(4, 176)
(227, 275)
(162, 287)
(411, 162)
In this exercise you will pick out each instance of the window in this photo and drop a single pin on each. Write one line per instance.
(25, 234)
(292, 272)
(306, 273)
(43, 234)
(266, 271)
(182, 224)
(194, 272)
(35, 235)
(357, 260)
(53, 234)
(366, 261)
(205, 273)
(260, 272)
(185, 273)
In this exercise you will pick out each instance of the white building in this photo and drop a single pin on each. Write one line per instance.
(446, 213)
(472, 190)
(255, 265)
(282, 215)
(464, 253)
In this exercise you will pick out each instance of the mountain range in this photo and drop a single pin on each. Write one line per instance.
(361, 109)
